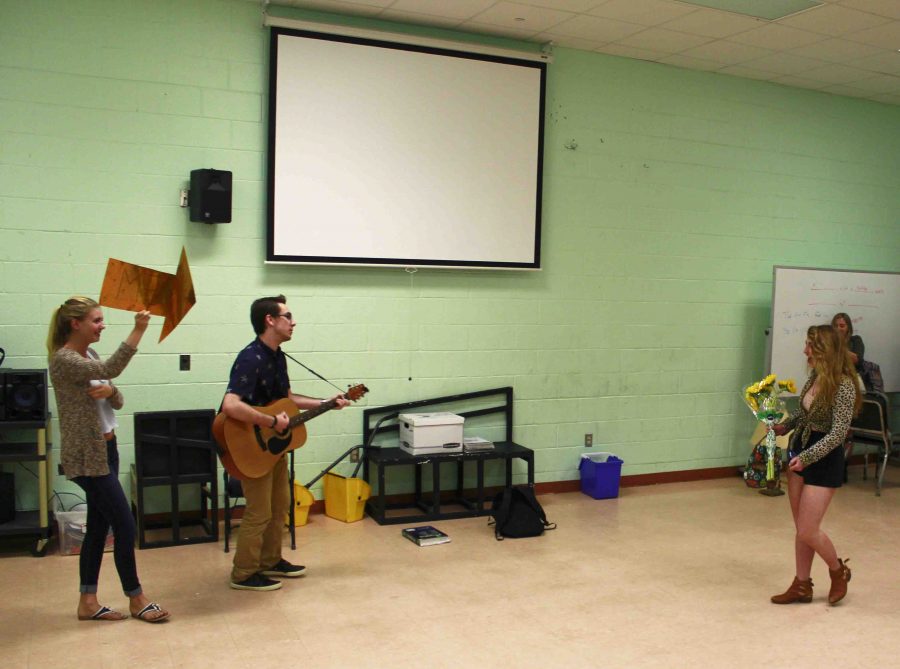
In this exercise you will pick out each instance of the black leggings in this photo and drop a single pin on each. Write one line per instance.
(107, 507)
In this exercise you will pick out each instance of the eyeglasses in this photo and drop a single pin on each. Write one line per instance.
(288, 315)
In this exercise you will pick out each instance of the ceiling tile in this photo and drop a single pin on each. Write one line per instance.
(594, 28)
(836, 50)
(645, 12)
(774, 36)
(799, 82)
(889, 8)
(564, 5)
(521, 17)
(458, 9)
(785, 63)
(666, 40)
(727, 52)
(504, 31)
(880, 83)
(688, 63)
(836, 74)
(711, 23)
(833, 20)
(632, 52)
(847, 91)
(887, 98)
(747, 72)
(418, 19)
(886, 62)
(886, 36)
(336, 7)
(568, 41)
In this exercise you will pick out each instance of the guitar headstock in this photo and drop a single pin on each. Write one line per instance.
(355, 392)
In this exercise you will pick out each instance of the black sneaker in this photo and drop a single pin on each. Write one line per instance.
(256, 582)
(284, 568)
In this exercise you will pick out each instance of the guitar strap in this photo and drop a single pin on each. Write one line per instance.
(311, 371)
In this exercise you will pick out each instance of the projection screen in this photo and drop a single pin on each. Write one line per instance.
(393, 154)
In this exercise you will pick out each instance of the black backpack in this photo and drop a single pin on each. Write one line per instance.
(517, 513)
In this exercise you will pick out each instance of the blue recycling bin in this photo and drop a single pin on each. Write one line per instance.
(600, 474)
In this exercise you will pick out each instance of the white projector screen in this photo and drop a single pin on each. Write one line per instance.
(400, 155)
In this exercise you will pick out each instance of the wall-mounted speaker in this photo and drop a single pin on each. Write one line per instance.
(210, 196)
(23, 395)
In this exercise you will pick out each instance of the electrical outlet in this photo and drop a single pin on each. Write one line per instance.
(184, 362)
(588, 440)
(354, 455)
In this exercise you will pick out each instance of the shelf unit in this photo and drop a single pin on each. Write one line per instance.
(35, 523)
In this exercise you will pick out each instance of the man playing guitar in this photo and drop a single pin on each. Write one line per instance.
(258, 377)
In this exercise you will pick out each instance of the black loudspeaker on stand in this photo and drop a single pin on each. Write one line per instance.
(23, 395)
(210, 196)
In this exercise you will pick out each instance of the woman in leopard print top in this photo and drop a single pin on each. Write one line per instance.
(829, 400)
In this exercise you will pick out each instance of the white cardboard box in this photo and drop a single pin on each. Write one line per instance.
(439, 432)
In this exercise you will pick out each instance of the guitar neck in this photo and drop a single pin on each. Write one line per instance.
(301, 418)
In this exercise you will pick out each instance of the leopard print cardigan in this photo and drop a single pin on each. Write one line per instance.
(83, 451)
(834, 420)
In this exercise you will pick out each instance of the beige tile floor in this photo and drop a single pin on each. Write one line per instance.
(665, 576)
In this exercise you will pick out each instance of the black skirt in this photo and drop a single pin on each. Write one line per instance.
(827, 472)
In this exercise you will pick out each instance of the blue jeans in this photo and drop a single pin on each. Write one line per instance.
(107, 507)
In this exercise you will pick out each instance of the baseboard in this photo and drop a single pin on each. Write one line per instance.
(552, 487)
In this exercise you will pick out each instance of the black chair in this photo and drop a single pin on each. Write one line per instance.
(173, 450)
(233, 491)
(872, 428)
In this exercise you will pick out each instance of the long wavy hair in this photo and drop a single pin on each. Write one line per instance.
(61, 322)
(844, 317)
(831, 361)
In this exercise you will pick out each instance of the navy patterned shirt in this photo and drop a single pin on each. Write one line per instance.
(259, 374)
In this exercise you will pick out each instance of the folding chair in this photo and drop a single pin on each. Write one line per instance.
(872, 428)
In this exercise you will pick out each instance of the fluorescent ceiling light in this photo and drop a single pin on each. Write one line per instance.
(761, 9)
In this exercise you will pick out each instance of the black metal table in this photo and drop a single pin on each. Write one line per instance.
(430, 503)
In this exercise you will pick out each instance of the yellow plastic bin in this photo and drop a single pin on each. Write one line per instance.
(303, 499)
(345, 498)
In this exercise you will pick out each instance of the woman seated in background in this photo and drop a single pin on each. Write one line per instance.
(829, 400)
(854, 343)
(85, 399)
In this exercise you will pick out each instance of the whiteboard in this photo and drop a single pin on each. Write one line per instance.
(392, 154)
(803, 296)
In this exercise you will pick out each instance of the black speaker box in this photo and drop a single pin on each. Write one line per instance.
(23, 395)
(7, 497)
(210, 196)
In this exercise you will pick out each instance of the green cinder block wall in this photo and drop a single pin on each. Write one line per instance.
(668, 197)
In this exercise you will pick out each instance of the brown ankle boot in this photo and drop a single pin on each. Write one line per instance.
(840, 577)
(800, 591)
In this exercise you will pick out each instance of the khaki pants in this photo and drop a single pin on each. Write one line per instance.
(262, 525)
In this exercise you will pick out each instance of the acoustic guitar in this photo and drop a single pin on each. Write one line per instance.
(249, 451)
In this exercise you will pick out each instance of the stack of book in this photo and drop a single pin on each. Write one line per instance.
(425, 535)
(474, 444)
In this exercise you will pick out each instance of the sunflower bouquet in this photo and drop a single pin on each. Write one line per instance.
(762, 398)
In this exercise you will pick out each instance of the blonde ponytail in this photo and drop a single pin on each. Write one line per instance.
(61, 321)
